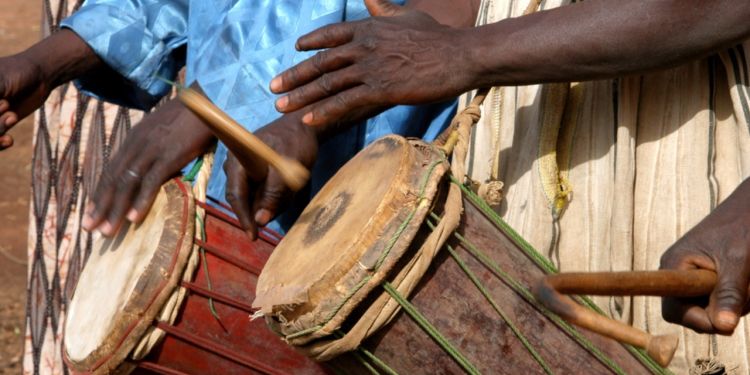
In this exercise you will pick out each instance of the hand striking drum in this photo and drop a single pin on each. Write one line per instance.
(171, 295)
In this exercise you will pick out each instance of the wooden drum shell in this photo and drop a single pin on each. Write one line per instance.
(234, 263)
(456, 307)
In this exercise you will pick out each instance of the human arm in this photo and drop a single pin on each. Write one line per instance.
(721, 243)
(27, 78)
(408, 58)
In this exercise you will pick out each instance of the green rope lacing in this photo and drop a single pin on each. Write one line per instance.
(362, 354)
(378, 362)
(205, 268)
(529, 297)
(190, 177)
(474, 279)
(430, 329)
(392, 242)
(362, 361)
(547, 266)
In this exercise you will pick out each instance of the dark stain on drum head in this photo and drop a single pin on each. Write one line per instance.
(382, 146)
(323, 218)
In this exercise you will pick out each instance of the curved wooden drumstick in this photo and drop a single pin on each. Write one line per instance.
(673, 283)
(241, 142)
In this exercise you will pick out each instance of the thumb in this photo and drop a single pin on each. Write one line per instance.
(728, 299)
(383, 8)
(270, 198)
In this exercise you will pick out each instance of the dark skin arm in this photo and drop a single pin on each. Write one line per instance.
(406, 57)
(27, 78)
(369, 61)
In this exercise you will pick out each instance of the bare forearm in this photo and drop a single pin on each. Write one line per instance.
(62, 57)
(601, 39)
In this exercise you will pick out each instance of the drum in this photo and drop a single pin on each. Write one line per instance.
(153, 299)
(383, 273)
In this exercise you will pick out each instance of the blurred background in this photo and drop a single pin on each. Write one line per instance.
(20, 22)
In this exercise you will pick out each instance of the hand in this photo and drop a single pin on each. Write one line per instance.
(155, 150)
(404, 57)
(721, 242)
(256, 192)
(26, 79)
(23, 89)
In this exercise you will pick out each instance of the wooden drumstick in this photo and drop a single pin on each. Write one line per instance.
(672, 283)
(241, 142)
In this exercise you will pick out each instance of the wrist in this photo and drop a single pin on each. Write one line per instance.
(475, 65)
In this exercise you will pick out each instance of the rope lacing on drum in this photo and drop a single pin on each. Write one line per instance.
(482, 289)
(363, 355)
(546, 266)
(190, 177)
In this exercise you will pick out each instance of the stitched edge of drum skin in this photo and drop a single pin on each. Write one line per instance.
(424, 175)
(108, 356)
(291, 305)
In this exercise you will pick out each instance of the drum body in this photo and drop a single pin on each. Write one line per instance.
(199, 340)
(474, 295)
(457, 308)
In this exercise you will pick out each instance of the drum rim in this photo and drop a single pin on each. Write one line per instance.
(411, 173)
(99, 362)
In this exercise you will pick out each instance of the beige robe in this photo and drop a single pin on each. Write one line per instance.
(606, 175)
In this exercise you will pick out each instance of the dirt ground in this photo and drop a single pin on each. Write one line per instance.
(20, 22)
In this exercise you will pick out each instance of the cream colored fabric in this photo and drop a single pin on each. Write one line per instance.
(640, 160)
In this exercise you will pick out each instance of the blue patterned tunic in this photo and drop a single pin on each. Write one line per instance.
(232, 48)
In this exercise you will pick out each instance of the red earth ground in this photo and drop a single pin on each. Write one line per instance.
(20, 22)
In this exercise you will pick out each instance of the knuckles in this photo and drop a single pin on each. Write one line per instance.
(325, 84)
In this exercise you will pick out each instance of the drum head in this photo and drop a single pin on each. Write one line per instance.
(126, 281)
(349, 235)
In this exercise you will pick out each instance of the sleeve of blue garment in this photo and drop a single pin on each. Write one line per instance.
(237, 46)
(139, 40)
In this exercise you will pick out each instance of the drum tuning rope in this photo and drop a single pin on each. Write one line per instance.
(485, 292)
(198, 175)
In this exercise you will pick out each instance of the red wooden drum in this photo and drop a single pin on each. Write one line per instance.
(141, 305)
(383, 273)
